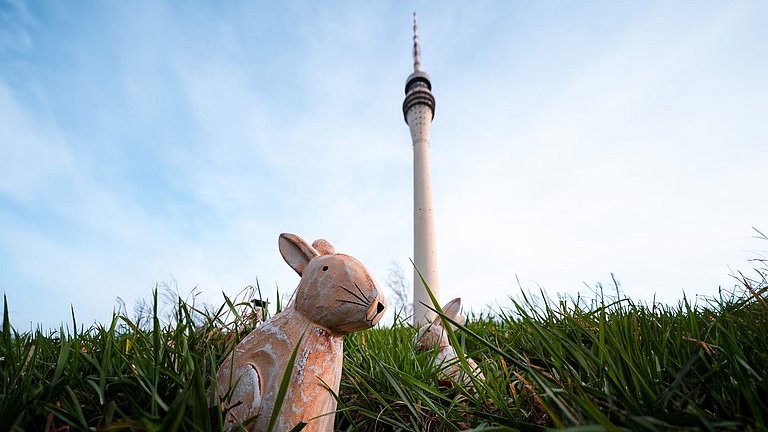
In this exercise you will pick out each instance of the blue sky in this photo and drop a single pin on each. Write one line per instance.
(146, 143)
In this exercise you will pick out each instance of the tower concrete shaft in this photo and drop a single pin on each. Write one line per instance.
(419, 110)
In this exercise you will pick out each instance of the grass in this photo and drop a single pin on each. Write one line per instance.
(599, 365)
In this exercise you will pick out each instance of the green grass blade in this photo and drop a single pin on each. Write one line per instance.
(398, 388)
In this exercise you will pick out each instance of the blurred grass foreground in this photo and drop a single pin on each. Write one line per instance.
(604, 364)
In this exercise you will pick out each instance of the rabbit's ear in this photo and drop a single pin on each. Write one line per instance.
(323, 247)
(296, 252)
(452, 309)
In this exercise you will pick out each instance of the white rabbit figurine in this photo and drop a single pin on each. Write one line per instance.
(433, 336)
(336, 295)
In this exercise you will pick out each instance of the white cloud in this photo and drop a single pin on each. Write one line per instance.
(616, 174)
(30, 163)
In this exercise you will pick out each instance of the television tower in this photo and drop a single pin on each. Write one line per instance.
(419, 110)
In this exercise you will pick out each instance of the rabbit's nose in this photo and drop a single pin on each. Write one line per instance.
(376, 310)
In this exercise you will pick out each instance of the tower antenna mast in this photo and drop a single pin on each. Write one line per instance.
(416, 48)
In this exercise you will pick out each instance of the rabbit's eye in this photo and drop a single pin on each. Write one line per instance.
(325, 268)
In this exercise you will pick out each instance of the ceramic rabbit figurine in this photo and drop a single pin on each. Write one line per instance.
(336, 295)
(433, 336)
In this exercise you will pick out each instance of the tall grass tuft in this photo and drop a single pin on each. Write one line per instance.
(605, 364)
(614, 365)
(119, 376)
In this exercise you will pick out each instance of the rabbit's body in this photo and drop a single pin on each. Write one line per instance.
(336, 295)
(319, 358)
(450, 365)
(433, 336)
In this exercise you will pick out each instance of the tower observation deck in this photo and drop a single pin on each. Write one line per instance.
(419, 111)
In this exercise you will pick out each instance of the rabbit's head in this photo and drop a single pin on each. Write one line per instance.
(433, 335)
(336, 291)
